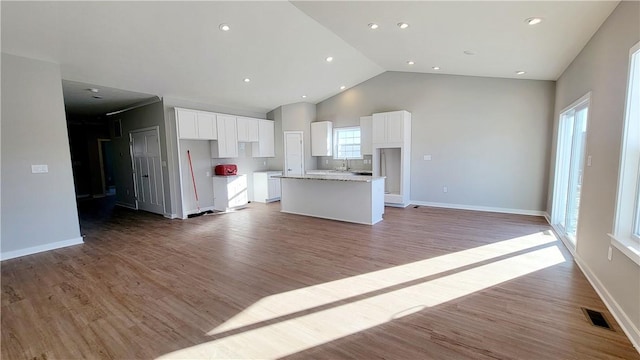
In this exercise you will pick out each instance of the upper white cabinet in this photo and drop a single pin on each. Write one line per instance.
(392, 127)
(247, 129)
(366, 136)
(227, 144)
(192, 124)
(207, 128)
(321, 138)
(265, 147)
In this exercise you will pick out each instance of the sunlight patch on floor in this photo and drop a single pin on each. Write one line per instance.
(306, 331)
(290, 302)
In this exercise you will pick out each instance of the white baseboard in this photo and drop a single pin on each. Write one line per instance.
(479, 208)
(125, 205)
(170, 216)
(195, 211)
(621, 317)
(40, 248)
(547, 217)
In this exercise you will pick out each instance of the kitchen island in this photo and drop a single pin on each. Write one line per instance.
(351, 198)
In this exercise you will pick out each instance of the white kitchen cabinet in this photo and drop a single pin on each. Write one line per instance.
(247, 129)
(197, 125)
(187, 124)
(207, 126)
(392, 155)
(321, 138)
(227, 144)
(265, 147)
(391, 128)
(366, 136)
(229, 192)
(266, 187)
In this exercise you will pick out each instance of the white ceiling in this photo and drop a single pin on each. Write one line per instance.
(175, 49)
(80, 101)
(440, 31)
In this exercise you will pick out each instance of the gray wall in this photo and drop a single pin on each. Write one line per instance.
(297, 117)
(37, 209)
(602, 68)
(201, 157)
(277, 162)
(139, 118)
(489, 138)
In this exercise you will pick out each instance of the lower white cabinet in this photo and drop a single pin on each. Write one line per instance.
(266, 187)
(229, 192)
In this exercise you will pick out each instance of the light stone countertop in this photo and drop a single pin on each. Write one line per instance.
(337, 177)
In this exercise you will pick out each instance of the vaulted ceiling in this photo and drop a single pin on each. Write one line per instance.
(178, 49)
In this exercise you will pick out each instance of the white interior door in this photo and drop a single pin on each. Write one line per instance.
(293, 153)
(147, 170)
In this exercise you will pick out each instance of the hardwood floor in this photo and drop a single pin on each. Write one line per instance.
(425, 283)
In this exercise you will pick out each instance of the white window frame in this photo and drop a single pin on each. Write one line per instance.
(626, 224)
(336, 144)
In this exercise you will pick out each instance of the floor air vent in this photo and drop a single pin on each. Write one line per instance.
(596, 318)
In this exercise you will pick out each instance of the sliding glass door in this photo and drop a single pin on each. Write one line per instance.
(572, 136)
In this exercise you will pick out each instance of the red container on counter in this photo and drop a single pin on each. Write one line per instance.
(226, 170)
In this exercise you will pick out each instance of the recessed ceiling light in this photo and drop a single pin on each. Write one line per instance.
(436, 68)
(520, 72)
(533, 20)
(410, 62)
(342, 87)
(329, 59)
(304, 96)
(403, 25)
(97, 97)
(224, 27)
(373, 26)
(246, 80)
(93, 90)
(469, 52)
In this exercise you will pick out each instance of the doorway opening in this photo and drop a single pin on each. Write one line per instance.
(569, 170)
(99, 150)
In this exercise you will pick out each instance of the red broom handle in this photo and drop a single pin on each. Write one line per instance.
(193, 179)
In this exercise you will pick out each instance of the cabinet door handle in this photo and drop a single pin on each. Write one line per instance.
(145, 176)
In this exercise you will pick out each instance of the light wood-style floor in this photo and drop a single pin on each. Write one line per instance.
(425, 283)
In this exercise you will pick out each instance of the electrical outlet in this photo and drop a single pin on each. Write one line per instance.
(208, 173)
(326, 161)
(445, 189)
(609, 254)
(39, 169)
(589, 160)
(427, 157)
(264, 163)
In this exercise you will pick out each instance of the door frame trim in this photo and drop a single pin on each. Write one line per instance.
(133, 172)
(284, 143)
(586, 98)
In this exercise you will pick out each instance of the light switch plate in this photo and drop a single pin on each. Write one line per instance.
(39, 169)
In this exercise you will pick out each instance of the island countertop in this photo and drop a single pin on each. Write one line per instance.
(338, 177)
